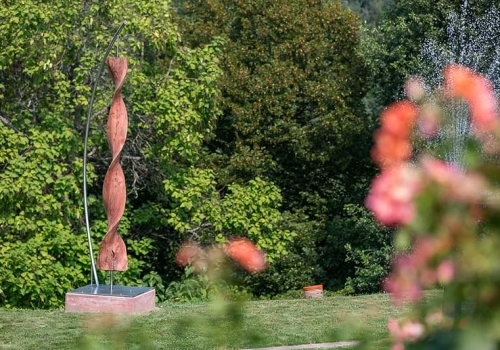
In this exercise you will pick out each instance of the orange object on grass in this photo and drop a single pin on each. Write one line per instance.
(317, 286)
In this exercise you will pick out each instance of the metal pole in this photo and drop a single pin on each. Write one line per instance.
(85, 203)
(111, 281)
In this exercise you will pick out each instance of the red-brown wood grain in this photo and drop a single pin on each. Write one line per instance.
(113, 253)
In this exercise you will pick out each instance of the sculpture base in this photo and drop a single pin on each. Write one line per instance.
(116, 299)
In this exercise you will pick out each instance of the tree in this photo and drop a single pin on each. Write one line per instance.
(291, 91)
(291, 84)
(47, 67)
(46, 63)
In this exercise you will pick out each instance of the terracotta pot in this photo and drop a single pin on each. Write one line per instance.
(313, 291)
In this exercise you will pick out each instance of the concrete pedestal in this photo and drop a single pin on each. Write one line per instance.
(118, 299)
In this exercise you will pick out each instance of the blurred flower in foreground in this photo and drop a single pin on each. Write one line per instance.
(429, 120)
(392, 193)
(414, 89)
(241, 250)
(478, 92)
(410, 331)
(414, 271)
(392, 144)
(404, 283)
(445, 271)
(457, 185)
(187, 253)
(447, 213)
(246, 254)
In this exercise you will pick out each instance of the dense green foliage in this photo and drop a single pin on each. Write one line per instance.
(47, 62)
(291, 86)
(291, 112)
(246, 118)
(46, 55)
(365, 247)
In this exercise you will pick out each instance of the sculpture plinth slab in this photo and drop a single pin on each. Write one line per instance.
(107, 299)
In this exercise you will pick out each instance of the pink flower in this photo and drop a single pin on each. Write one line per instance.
(414, 89)
(484, 111)
(416, 270)
(392, 193)
(187, 253)
(424, 250)
(459, 186)
(458, 80)
(409, 331)
(403, 283)
(398, 118)
(428, 277)
(446, 271)
(392, 144)
(389, 149)
(393, 326)
(412, 330)
(479, 94)
(470, 188)
(438, 170)
(246, 254)
(429, 120)
(398, 346)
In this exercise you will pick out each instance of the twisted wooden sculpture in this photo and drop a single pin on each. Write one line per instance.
(113, 253)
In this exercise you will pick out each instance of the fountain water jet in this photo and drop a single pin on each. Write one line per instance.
(472, 42)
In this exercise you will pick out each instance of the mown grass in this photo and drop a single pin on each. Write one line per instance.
(205, 325)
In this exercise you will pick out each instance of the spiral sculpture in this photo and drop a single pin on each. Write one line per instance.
(113, 253)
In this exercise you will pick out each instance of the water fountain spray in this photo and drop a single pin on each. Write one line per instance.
(473, 42)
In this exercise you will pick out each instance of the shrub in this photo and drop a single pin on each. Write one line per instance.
(371, 266)
(294, 270)
(192, 287)
(354, 251)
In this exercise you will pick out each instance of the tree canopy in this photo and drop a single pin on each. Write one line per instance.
(290, 90)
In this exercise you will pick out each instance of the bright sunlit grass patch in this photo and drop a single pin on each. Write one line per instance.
(205, 326)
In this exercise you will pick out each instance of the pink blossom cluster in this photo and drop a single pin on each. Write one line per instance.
(394, 192)
(422, 268)
(408, 331)
(425, 266)
(462, 82)
(392, 139)
(391, 198)
(456, 185)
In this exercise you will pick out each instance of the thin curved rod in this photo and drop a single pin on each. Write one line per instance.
(85, 203)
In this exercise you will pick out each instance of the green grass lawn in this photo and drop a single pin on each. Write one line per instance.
(204, 326)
